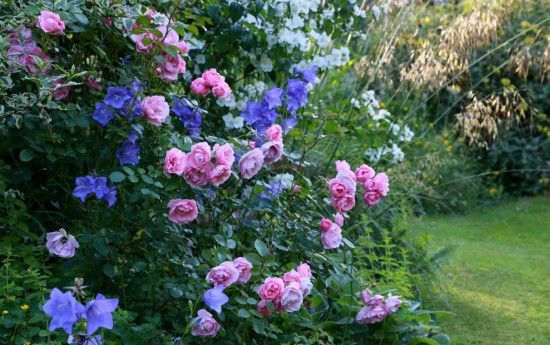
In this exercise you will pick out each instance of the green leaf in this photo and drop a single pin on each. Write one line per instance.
(261, 247)
(243, 313)
(117, 176)
(109, 270)
(423, 341)
(442, 339)
(26, 155)
(176, 292)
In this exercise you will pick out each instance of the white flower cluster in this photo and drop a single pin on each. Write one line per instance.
(399, 134)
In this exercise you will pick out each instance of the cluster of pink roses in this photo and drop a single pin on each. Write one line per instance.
(286, 294)
(270, 152)
(196, 166)
(230, 272)
(173, 64)
(376, 185)
(342, 188)
(376, 307)
(331, 232)
(211, 81)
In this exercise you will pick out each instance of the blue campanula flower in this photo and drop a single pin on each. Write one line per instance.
(98, 313)
(309, 74)
(273, 97)
(103, 114)
(215, 298)
(96, 185)
(273, 190)
(95, 340)
(117, 96)
(296, 93)
(259, 116)
(129, 152)
(64, 310)
(190, 118)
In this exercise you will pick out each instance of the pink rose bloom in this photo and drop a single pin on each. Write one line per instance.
(155, 109)
(274, 133)
(339, 219)
(262, 308)
(345, 203)
(225, 274)
(392, 303)
(211, 77)
(366, 295)
(199, 87)
(199, 156)
(138, 40)
(224, 154)
(219, 175)
(371, 198)
(221, 90)
(245, 269)
(62, 92)
(292, 297)
(343, 167)
(325, 224)
(292, 276)
(382, 183)
(306, 286)
(182, 211)
(271, 289)
(272, 151)
(181, 45)
(170, 38)
(205, 325)
(370, 315)
(197, 177)
(174, 162)
(332, 238)
(50, 23)
(62, 244)
(296, 188)
(93, 83)
(364, 172)
(250, 163)
(171, 68)
(348, 181)
(337, 188)
(375, 301)
(304, 270)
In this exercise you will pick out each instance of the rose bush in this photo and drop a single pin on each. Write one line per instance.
(171, 140)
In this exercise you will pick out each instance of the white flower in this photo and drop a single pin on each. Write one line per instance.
(233, 121)
(376, 12)
(381, 115)
(294, 23)
(407, 134)
(397, 154)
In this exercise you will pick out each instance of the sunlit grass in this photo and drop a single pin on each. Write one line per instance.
(497, 281)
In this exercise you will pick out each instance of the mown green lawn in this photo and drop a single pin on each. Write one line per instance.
(497, 280)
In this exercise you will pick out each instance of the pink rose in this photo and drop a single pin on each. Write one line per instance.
(325, 224)
(348, 181)
(225, 274)
(155, 109)
(306, 286)
(274, 133)
(140, 45)
(182, 211)
(271, 289)
(199, 87)
(392, 303)
(250, 163)
(219, 175)
(170, 38)
(171, 68)
(205, 325)
(272, 151)
(245, 269)
(343, 167)
(199, 155)
(263, 309)
(211, 77)
(292, 297)
(364, 172)
(375, 301)
(181, 45)
(339, 219)
(291, 276)
(224, 154)
(370, 315)
(297, 188)
(60, 92)
(332, 238)
(174, 162)
(50, 23)
(337, 188)
(304, 270)
(221, 90)
(366, 296)
(197, 177)
(382, 183)
(344, 203)
(371, 198)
